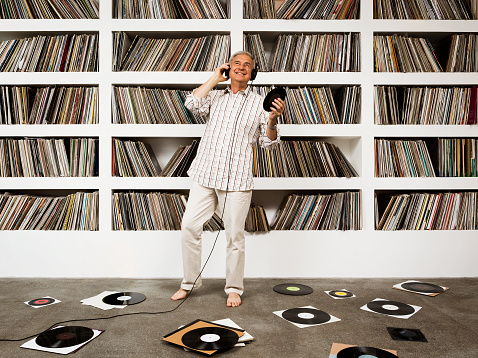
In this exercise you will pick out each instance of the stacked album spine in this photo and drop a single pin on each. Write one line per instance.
(431, 211)
(171, 54)
(423, 9)
(425, 105)
(141, 105)
(77, 211)
(46, 9)
(337, 211)
(48, 105)
(301, 9)
(40, 157)
(60, 53)
(302, 159)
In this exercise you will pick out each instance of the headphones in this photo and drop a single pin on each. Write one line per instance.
(253, 73)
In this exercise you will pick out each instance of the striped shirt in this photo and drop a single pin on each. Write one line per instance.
(214, 165)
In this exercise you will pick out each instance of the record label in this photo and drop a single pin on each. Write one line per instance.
(124, 298)
(293, 289)
(62, 337)
(364, 352)
(210, 338)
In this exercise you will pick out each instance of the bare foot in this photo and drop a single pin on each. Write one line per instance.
(233, 300)
(179, 295)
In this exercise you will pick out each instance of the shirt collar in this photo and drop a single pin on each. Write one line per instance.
(243, 92)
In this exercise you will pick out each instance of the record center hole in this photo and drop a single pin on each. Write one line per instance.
(124, 298)
(210, 337)
(391, 307)
(305, 315)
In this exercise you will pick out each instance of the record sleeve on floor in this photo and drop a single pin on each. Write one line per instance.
(205, 337)
(97, 301)
(62, 339)
(369, 351)
(422, 288)
(340, 294)
(306, 316)
(406, 334)
(42, 302)
(391, 308)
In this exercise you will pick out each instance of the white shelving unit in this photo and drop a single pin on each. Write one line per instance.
(157, 254)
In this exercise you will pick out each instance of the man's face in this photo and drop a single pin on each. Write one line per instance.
(241, 68)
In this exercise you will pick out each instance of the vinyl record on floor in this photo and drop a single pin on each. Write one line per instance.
(393, 308)
(294, 289)
(306, 316)
(341, 294)
(422, 287)
(62, 337)
(406, 334)
(124, 298)
(210, 338)
(41, 301)
(354, 352)
(277, 92)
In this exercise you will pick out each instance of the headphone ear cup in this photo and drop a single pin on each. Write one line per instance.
(254, 73)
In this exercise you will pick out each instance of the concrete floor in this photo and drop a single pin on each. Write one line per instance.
(449, 320)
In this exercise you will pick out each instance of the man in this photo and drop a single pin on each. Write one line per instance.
(223, 164)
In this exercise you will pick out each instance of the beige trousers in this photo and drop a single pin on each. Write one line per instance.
(201, 205)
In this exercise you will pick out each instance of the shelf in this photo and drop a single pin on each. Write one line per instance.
(381, 130)
(424, 184)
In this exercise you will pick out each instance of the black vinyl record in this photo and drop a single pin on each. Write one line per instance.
(395, 309)
(306, 316)
(406, 334)
(124, 298)
(277, 92)
(341, 294)
(355, 352)
(294, 289)
(63, 337)
(210, 338)
(422, 287)
(41, 301)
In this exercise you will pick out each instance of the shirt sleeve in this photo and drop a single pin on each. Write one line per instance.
(198, 105)
(264, 141)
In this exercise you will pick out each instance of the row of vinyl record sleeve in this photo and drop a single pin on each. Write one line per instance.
(168, 9)
(50, 53)
(45, 9)
(425, 9)
(301, 9)
(77, 211)
(425, 105)
(304, 105)
(289, 158)
(451, 157)
(48, 105)
(403, 53)
(44, 157)
(164, 211)
(428, 211)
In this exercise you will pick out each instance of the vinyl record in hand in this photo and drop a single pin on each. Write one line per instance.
(406, 334)
(422, 287)
(277, 92)
(306, 316)
(44, 301)
(293, 289)
(210, 338)
(341, 294)
(393, 308)
(124, 298)
(354, 352)
(62, 337)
